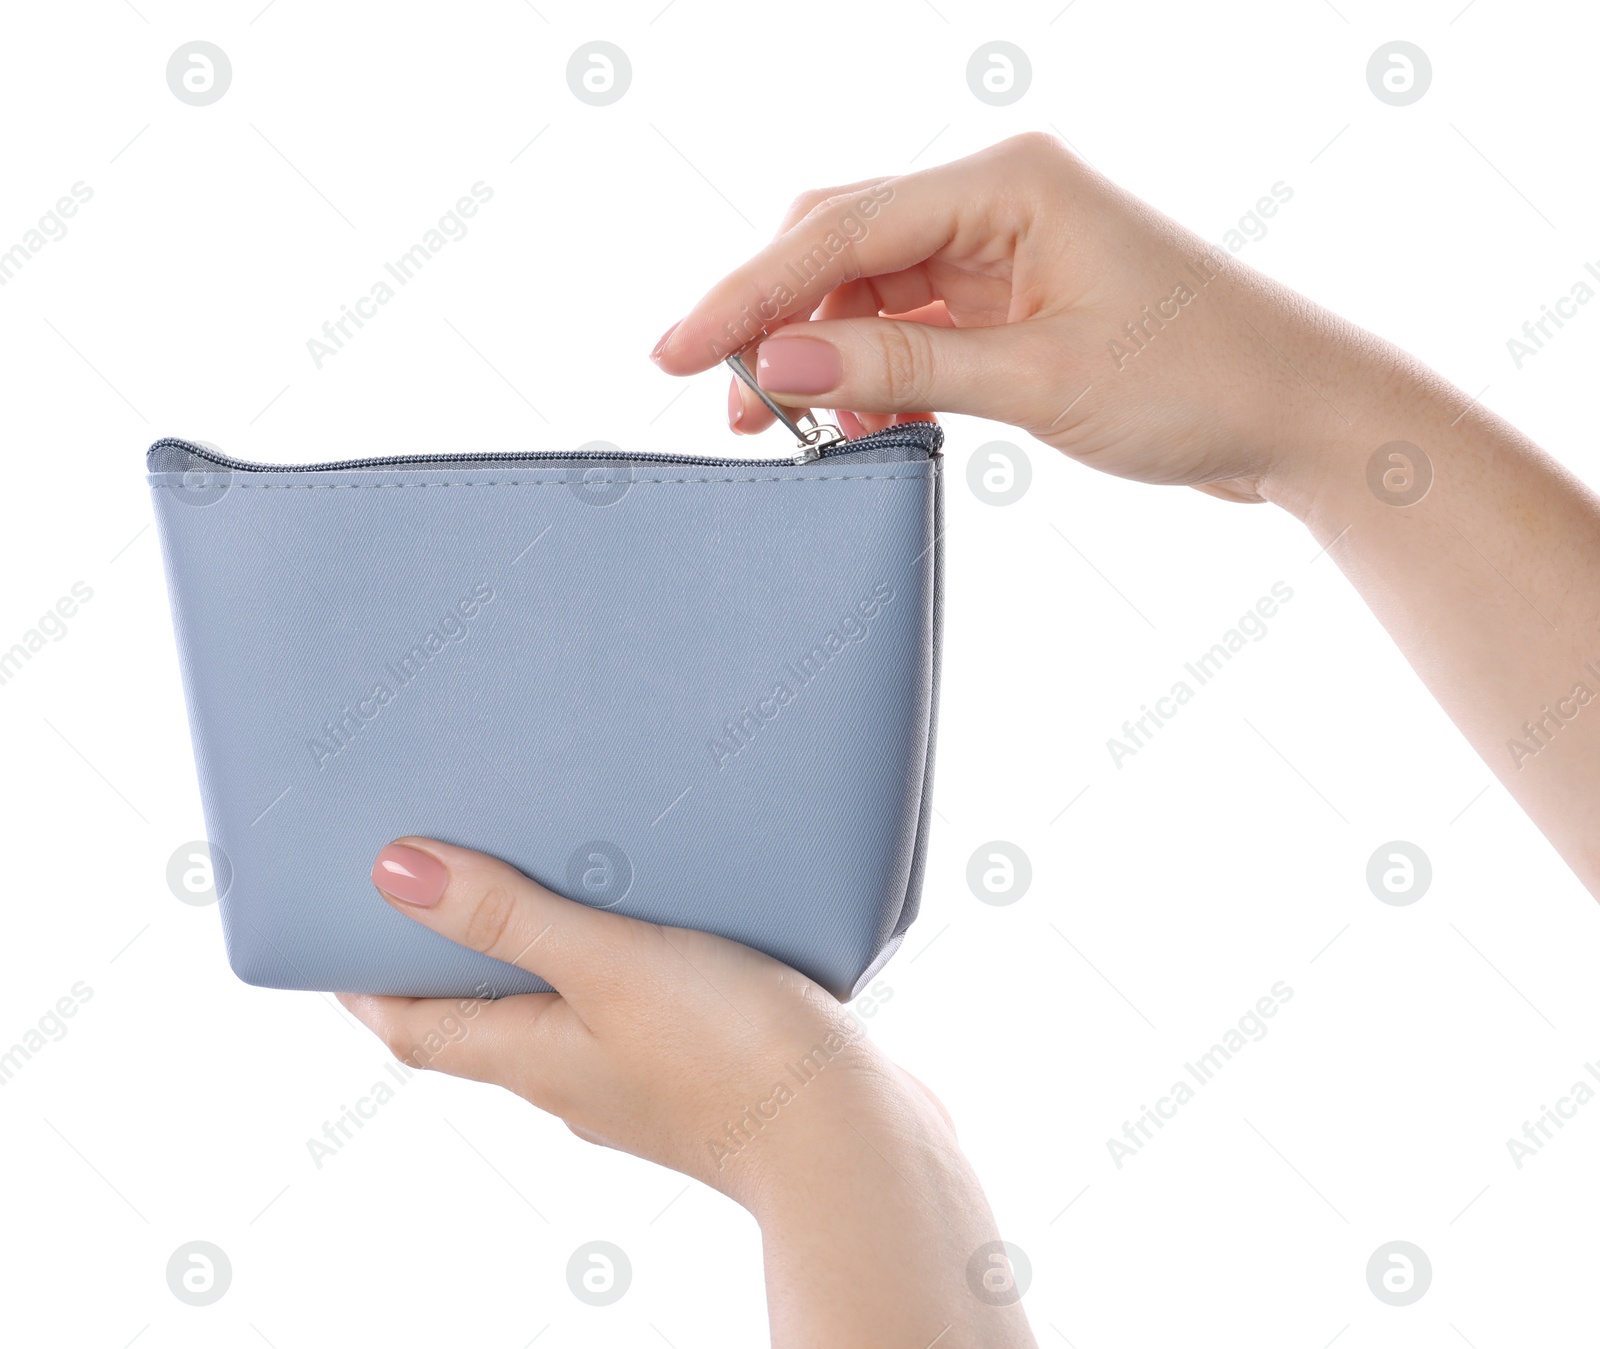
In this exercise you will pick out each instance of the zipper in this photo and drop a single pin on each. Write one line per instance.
(923, 437)
(817, 440)
(813, 436)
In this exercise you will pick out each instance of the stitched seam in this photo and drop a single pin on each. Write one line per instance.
(544, 482)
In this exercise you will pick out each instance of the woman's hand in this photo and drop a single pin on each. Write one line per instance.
(657, 1038)
(1026, 288)
(717, 1061)
(1020, 285)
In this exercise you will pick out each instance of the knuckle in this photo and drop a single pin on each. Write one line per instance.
(828, 225)
(491, 918)
(907, 365)
(400, 1043)
(578, 1131)
(1034, 145)
(807, 202)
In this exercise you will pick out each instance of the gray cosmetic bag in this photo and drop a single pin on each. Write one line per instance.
(696, 691)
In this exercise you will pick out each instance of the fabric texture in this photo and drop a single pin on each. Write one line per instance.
(699, 694)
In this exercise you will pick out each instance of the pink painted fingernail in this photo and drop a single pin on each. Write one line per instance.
(660, 346)
(735, 405)
(410, 875)
(797, 365)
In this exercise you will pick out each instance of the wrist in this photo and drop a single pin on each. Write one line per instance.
(875, 1230)
(837, 1136)
(1375, 425)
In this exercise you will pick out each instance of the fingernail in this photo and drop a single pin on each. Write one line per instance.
(410, 875)
(735, 405)
(660, 346)
(851, 425)
(797, 365)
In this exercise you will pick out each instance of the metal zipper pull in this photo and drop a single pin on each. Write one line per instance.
(814, 436)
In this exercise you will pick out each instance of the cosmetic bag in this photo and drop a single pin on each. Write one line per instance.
(699, 691)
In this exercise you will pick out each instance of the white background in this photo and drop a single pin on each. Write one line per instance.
(1171, 895)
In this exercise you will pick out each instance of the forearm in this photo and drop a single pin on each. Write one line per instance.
(873, 1229)
(1489, 584)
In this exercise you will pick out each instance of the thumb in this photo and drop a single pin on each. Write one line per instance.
(896, 365)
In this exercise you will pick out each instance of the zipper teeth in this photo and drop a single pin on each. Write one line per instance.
(922, 435)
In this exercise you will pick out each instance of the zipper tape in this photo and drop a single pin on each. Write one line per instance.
(923, 437)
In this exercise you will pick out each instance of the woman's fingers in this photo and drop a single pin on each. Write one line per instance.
(870, 297)
(858, 300)
(877, 365)
(524, 1043)
(899, 293)
(882, 228)
(482, 903)
(747, 414)
(821, 266)
(810, 200)
(973, 212)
